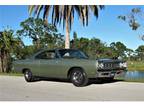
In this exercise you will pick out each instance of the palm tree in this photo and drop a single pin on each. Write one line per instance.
(66, 14)
(7, 45)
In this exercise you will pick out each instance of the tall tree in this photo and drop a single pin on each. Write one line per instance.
(7, 45)
(129, 52)
(66, 14)
(118, 49)
(134, 19)
(131, 18)
(140, 52)
(40, 33)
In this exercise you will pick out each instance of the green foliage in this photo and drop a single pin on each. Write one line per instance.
(7, 41)
(24, 52)
(134, 19)
(8, 44)
(95, 48)
(140, 52)
(135, 65)
(42, 34)
(118, 48)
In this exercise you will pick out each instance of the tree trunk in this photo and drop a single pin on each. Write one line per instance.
(0, 63)
(67, 37)
(36, 44)
(5, 62)
(9, 62)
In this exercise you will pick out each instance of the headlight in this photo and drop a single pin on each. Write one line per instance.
(100, 65)
(123, 64)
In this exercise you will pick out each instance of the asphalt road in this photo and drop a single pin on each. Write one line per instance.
(16, 89)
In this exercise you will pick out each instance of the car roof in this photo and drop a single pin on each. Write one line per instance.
(45, 49)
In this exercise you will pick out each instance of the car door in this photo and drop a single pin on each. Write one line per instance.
(48, 62)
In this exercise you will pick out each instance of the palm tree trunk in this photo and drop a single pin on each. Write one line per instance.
(67, 37)
(9, 62)
(5, 59)
(4, 62)
(0, 62)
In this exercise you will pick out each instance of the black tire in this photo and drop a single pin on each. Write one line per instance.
(110, 79)
(78, 78)
(28, 75)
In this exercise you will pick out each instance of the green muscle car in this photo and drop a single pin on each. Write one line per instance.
(70, 64)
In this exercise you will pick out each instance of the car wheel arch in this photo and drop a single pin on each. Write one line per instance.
(24, 69)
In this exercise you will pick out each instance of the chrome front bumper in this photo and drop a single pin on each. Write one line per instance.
(109, 74)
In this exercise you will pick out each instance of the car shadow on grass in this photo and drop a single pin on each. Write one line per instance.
(91, 81)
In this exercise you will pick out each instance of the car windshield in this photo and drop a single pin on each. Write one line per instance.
(71, 53)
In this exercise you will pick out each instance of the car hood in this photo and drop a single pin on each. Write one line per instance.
(109, 60)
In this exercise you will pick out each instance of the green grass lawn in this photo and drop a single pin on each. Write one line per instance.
(130, 80)
(135, 65)
(12, 74)
(138, 80)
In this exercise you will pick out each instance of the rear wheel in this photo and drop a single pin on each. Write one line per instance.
(28, 76)
(78, 78)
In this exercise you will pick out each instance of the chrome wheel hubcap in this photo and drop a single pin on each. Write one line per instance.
(27, 75)
(77, 77)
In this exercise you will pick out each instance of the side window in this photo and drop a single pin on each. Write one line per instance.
(46, 55)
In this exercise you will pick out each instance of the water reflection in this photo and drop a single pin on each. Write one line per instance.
(134, 75)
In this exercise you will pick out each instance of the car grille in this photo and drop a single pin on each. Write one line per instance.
(111, 65)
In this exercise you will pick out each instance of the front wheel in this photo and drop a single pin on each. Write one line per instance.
(78, 78)
(28, 76)
(109, 79)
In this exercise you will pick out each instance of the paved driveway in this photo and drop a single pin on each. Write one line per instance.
(16, 89)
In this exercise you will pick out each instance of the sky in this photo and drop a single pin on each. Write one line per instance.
(108, 28)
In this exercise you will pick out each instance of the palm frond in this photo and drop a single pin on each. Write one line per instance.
(60, 12)
(31, 9)
(39, 8)
(46, 11)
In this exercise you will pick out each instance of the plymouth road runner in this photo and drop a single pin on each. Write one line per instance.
(70, 64)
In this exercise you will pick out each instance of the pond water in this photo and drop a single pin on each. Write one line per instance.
(134, 75)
